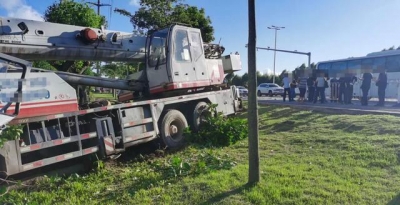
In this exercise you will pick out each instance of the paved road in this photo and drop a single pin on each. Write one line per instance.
(355, 108)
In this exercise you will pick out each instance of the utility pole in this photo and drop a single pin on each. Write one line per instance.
(276, 28)
(254, 157)
(99, 5)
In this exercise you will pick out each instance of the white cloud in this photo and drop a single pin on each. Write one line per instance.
(19, 9)
(269, 71)
(135, 3)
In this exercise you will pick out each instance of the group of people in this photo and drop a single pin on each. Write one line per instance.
(316, 88)
(342, 87)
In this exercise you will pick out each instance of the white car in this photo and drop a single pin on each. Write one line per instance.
(270, 89)
(243, 91)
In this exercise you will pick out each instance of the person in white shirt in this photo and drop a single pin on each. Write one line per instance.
(320, 84)
(286, 87)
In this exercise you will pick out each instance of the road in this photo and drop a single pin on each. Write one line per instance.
(354, 108)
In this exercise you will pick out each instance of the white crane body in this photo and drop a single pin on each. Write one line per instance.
(181, 76)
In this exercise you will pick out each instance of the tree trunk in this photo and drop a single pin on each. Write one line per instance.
(254, 157)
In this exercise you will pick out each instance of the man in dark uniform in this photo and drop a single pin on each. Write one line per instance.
(381, 83)
(311, 88)
(342, 88)
(365, 86)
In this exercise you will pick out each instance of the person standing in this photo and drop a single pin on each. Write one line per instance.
(334, 89)
(302, 88)
(342, 88)
(286, 87)
(311, 88)
(365, 86)
(350, 87)
(320, 84)
(382, 84)
(293, 87)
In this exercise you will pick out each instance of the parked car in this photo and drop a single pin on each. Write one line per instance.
(243, 91)
(270, 89)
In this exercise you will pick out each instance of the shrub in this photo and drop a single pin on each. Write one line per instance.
(12, 132)
(219, 130)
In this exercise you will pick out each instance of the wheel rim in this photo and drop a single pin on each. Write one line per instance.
(175, 130)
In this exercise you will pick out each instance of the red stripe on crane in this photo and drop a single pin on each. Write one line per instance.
(38, 163)
(51, 111)
(108, 143)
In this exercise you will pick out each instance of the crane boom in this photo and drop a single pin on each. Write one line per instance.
(36, 40)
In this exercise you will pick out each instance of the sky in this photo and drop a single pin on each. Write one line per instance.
(329, 29)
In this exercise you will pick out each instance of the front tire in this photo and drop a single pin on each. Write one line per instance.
(172, 129)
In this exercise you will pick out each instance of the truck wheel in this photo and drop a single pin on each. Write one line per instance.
(259, 93)
(198, 115)
(172, 128)
(270, 93)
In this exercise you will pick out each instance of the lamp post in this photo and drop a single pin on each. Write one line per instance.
(276, 28)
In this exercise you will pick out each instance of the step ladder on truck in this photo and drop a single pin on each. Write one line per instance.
(181, 77)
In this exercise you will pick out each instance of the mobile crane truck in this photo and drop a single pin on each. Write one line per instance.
(182, 75)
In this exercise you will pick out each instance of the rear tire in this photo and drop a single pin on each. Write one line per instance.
(197, 114)
(259, 93)
(172, 129)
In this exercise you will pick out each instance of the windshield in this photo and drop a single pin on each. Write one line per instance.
(157, 48)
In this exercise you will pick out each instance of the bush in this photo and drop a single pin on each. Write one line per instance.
(219, 130)
(12, 132)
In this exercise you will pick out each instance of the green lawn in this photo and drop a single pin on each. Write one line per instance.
(106, 96)
(306, 158)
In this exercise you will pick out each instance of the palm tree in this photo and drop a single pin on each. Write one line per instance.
(254, 157)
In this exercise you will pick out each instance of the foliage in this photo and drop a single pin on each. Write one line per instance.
(119, 69)
(199, 163)
(305, 158)
(71, 13)
(134, 177)
(12, 132)
(218, 130)
(158, 14)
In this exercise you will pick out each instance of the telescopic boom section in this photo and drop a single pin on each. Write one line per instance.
(36, 40)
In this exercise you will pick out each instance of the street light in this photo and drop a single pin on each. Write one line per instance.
(276, 28)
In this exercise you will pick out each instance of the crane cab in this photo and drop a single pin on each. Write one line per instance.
(176, 60)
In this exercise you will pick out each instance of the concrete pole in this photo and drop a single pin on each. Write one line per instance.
(273, 78)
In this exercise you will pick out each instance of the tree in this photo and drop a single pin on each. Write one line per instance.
(157, 14)
(118, 70)
(254, 157)
(71, 13)
(245, 79)
(237, 80)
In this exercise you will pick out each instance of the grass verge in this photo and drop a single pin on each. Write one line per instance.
(306, 158)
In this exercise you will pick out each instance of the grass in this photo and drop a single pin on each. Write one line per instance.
(106, 96)
(306, 158)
